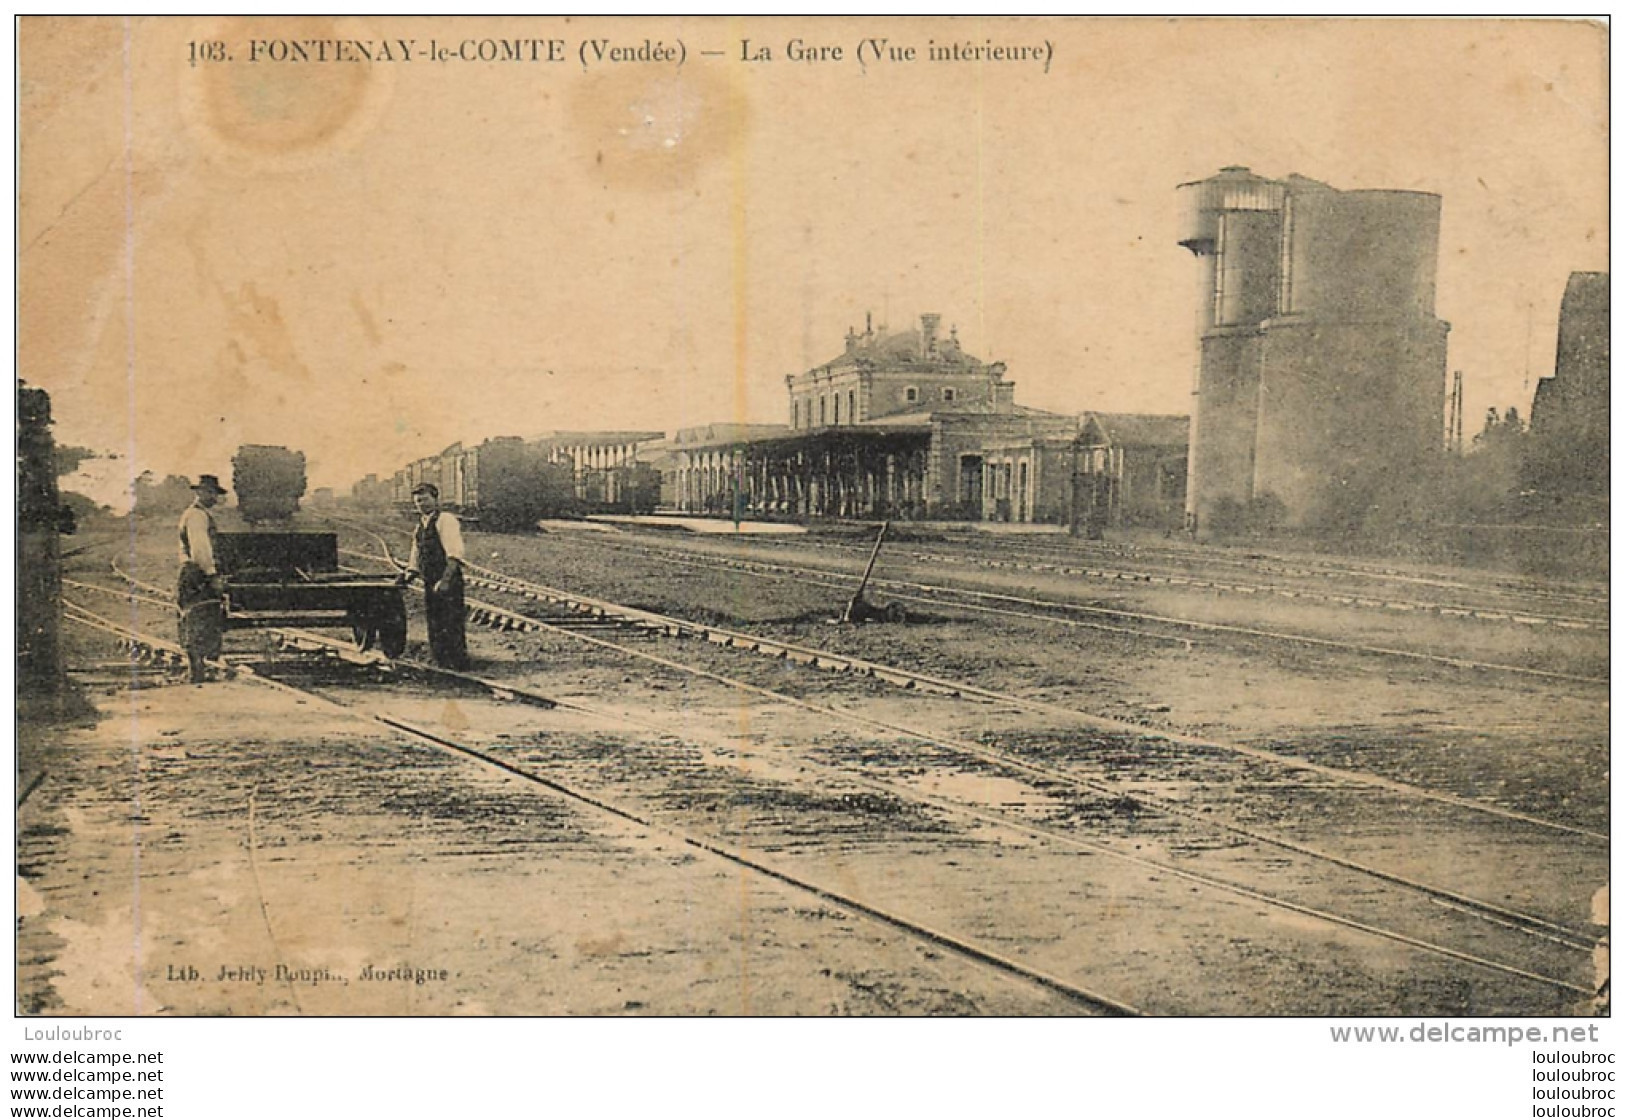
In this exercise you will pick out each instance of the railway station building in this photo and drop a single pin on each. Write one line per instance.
(888, 373)
(901, 425)
(898, 425)
(1321, 388)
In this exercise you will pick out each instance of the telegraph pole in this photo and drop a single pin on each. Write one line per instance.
(1453, 436)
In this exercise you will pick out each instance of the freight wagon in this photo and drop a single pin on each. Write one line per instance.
(502, 485)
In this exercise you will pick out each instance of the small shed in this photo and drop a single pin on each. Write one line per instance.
(1131, 471)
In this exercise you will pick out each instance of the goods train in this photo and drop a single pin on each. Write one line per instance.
(509, 484)
(502, 485)
(269, 481)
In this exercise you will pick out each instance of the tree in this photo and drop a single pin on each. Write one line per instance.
(1484, 484)
(1501, 431)
(69, 458)
(171, 495)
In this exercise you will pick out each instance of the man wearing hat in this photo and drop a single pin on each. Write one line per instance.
(437, 557)
(198, 592)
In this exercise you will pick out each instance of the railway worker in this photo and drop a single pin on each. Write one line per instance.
(437, 558)
(199, 589)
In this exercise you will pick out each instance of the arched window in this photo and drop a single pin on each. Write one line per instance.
(821, 413)
(911, 394)
(795, 414)
(851, 406)
(837, 408)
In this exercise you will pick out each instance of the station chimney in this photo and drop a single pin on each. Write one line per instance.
(928, 334)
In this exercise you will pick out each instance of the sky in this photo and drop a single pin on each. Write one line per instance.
(371, 261)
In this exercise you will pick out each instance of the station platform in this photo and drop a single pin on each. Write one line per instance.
(724, 527)
(713, 525)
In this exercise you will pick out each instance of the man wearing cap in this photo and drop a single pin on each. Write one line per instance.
(437, 557)
(198, 593)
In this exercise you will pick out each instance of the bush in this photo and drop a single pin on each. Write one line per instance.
(1265, 515)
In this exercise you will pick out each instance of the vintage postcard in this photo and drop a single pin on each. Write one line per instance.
(813, 517)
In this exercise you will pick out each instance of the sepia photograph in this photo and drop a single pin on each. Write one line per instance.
(822, 518)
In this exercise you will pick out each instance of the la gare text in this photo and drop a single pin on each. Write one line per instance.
(597, 52)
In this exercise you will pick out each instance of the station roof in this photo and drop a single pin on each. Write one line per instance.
(902, 349)
(724, 434)
(848, 436)
(1140, 429)
(597, 439)
(927, 417)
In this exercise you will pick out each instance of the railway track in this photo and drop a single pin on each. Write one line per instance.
(1124, 622)
(490, 614)
(609, 617)
(1523, 924)
(908, 679)
(1176, 566)
(969, 949)
(912, 680)
(1343, 571)
(1339, 598)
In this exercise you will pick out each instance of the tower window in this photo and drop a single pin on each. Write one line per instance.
(911, 394)
(1287, 301)
(947, 394)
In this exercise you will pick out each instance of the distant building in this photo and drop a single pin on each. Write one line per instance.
(1567, 456)
(372, 491)
(1321, 387)
(1132, 470)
